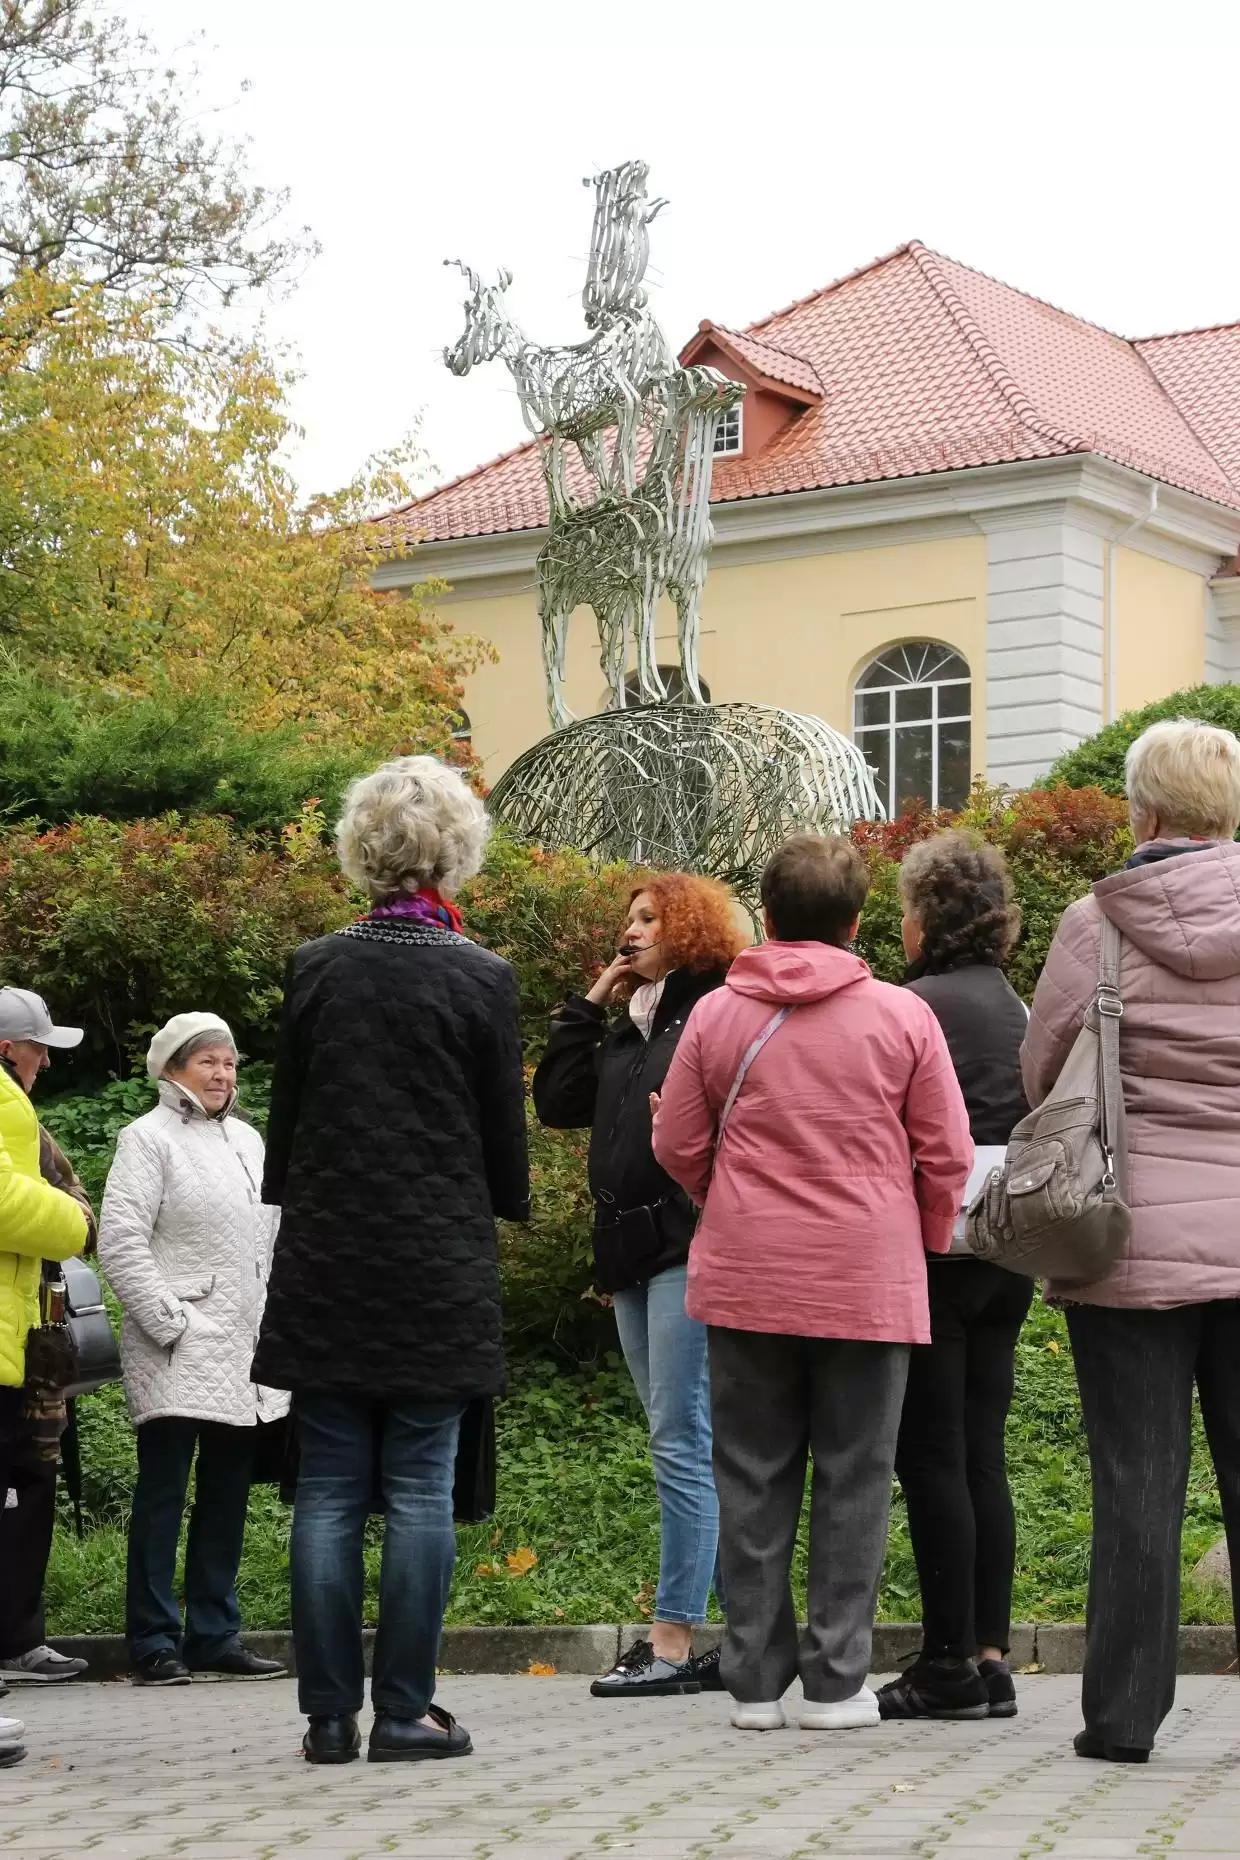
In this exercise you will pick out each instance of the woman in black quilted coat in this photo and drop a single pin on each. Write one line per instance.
(397, 1135)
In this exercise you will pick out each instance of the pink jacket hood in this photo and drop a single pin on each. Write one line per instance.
(1183, 913)
(789, 974)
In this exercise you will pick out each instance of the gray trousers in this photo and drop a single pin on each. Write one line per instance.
(1135, 1371)
(774, 1401)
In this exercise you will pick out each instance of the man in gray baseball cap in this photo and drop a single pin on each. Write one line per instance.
(27, 1031)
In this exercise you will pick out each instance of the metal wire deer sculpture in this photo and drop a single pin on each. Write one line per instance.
(629, 515)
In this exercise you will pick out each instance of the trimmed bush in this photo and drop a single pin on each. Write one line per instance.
(121, 926)
(1099, 761)
(1057, 842)
(132, 758)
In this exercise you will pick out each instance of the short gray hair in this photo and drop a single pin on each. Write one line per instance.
(198, 1043)
(414, 822)
(1186, 774)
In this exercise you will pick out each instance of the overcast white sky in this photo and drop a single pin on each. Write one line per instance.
(1085, 151)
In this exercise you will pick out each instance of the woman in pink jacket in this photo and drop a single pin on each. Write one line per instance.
(1168, 1312)
(842, 1163)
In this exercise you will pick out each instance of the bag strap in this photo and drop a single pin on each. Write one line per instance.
(751, 1053)
(1110, 1010)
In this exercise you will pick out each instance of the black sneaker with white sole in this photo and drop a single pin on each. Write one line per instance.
(642, 1673)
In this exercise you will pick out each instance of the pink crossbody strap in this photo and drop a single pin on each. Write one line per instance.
(751, 1053)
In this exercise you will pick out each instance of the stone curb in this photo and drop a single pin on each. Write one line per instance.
(1055, 1647)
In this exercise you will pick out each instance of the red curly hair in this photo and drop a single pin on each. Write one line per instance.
(700, 928)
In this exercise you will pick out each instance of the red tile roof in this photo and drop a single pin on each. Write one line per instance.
(772, 364)
(1200, 370)
(927, 366)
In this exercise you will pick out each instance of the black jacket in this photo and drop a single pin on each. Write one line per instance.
(397, 1134)
(983, 1022)
(600, 1075)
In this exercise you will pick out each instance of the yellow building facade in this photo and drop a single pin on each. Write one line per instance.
(1017, 573)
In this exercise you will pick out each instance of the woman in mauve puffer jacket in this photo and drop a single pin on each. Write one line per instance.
(1167, 1314)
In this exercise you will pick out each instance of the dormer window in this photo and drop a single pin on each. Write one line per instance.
(730, 430)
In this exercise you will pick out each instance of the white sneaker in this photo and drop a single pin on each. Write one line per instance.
(767, 1716)
(12, 1730)
(844, 1715)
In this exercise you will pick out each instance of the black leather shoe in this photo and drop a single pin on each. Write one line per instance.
(706, 1669)
(11, 1754)
(404, 1740)
(1086, 1744)
(240, 1663)
(333, 1740)
(641, 1673)
(160, 1669)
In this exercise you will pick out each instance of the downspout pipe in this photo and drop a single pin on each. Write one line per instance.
(1112, 665)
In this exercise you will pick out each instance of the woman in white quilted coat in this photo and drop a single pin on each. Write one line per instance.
(185, 1241)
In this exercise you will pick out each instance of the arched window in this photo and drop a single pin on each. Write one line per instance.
(911, 710)
(462, 729)
(673, 683)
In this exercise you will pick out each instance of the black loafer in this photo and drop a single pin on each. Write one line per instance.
(160, 1669)
(1086, 1744)
(706, 1667)
(404, 1740)
(240, 1663)
(332, 1740)
(641, 1673)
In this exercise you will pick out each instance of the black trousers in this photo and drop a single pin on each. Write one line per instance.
(25, 1534)
(213, 1547)
(950, 1455)
(1135, 1371)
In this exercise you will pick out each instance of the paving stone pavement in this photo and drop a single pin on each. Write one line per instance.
(213, 1772)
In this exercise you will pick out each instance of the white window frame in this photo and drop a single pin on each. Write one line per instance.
(864, 733)
(723, 451)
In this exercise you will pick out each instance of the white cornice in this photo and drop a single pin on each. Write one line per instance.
(1085, 489)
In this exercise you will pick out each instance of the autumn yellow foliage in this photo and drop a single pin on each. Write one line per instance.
(151, 537)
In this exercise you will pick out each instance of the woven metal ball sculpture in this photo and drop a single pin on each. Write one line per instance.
(703, 788)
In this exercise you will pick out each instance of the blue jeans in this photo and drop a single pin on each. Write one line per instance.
(666, 1354)
(212, 1549)
(344, 1440)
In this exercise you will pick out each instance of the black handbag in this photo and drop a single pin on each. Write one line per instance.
(97, 1350)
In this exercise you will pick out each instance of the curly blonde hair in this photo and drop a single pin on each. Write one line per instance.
(701, 930)
(413, 822)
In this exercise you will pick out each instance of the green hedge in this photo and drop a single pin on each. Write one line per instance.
(1099, 762)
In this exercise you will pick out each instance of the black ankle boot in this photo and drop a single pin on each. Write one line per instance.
(332, 1740)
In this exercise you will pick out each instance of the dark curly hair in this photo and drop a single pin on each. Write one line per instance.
(959, 890)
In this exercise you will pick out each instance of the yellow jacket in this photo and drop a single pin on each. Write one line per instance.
(37, 1222)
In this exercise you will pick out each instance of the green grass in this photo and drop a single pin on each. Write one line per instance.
(576, 1489)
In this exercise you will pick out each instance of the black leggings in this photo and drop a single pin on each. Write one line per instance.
(950, 1458)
